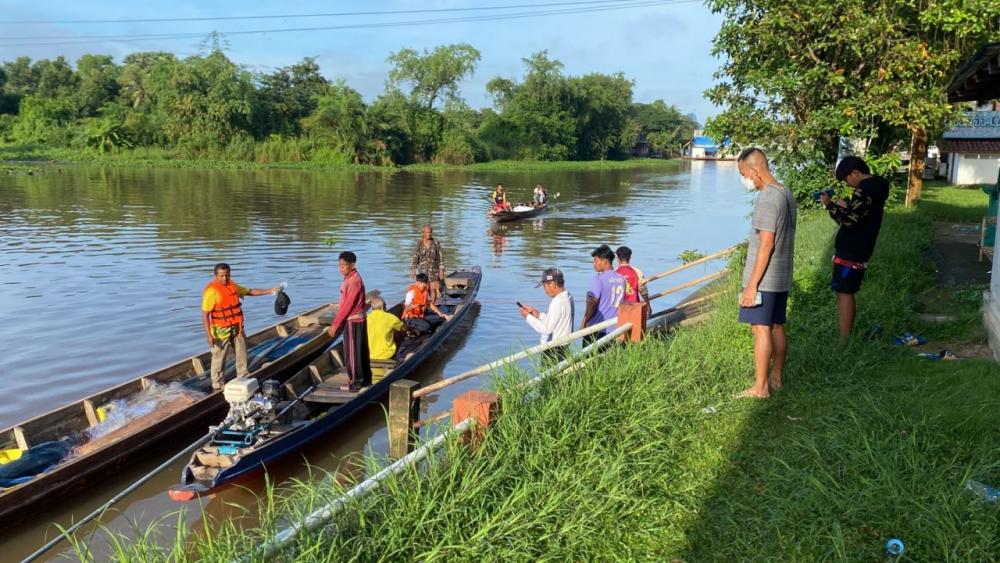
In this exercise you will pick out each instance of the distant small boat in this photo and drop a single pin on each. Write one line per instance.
(518, 212)
(81, 444)
(293, 411)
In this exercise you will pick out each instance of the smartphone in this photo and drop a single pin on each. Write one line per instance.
(817, 195)
(519, 304)
(759, 300)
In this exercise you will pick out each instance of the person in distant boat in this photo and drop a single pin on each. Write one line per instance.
(540, 195)
(558, 321)
(416, 304)
(428, 259)
(383, 327)
(605, 294)
(499, 198)
(351, 319)
(635, 288)
(222, 317)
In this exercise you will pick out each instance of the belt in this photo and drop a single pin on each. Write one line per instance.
(850, 263)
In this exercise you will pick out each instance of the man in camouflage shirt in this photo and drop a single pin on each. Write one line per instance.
(428, 259)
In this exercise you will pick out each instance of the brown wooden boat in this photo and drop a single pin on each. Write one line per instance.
(187, 407)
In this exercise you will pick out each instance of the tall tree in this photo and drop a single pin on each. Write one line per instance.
(98, 77)
(798, 76)
(288, 95)
(433, 76)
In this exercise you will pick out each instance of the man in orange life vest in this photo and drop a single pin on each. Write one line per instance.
(222, 316)
(416, 304)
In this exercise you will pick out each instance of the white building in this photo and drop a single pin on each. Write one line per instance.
(973, 148)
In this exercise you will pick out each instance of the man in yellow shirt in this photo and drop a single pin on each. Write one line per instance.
(382, 329)
(222, 317)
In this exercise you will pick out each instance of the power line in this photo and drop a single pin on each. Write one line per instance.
(316, 15)
(372, 25)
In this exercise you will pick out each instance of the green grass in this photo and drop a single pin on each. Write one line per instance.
(159, 157)
(644, 457)
(960, 204)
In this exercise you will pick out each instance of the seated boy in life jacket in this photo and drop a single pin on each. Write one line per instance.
(416, 304)
(499, 198)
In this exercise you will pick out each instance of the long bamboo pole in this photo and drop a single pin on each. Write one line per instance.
(569, 338)
(676, 288)
(324, 514)
(693, 263)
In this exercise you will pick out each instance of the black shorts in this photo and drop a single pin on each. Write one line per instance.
(773, 309)
(846, 279)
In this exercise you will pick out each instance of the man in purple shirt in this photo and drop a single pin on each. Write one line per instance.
(606, 291)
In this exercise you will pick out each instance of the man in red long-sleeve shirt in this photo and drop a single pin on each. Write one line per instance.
(351, 318)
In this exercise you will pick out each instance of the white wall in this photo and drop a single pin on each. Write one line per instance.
(972, 168)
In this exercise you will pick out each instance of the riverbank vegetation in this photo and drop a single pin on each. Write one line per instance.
(154, 106)
(644, 455)
(800, 78)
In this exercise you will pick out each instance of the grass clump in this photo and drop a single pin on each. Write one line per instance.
(643, 456)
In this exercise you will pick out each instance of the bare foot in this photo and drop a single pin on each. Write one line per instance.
(775, 384)
(751, 393)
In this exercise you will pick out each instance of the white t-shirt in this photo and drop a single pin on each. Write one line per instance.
(557, 322)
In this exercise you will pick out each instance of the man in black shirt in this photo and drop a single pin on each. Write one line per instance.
(860, 219)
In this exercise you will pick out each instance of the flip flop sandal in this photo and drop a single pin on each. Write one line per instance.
(909, 339)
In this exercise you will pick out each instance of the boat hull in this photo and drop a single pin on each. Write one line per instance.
(507, 216)
(294, 440)
(139, 437)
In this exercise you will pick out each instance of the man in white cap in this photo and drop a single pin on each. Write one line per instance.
(558, 321)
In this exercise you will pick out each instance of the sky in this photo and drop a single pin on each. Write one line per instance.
(663, 45)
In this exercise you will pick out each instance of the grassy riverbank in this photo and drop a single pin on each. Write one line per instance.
(646, 457)
(173, 159)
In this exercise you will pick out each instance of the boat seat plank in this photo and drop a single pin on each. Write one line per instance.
(21, 437)
(329, 391)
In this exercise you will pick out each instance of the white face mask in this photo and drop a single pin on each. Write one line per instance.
(748, 183)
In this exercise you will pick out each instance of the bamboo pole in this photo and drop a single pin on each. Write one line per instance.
(579, 360)
(324, 514)
(676, 288)
(513, 358)
(431, 420)
(693, 263)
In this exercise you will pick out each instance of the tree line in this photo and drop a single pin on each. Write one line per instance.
(208, 106)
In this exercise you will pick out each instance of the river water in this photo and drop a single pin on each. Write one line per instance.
(101, 273)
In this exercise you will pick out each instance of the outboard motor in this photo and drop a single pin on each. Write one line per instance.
(250, 414)
(273, 391)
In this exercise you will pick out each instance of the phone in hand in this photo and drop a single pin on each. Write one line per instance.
(817, 196)
(759, 299)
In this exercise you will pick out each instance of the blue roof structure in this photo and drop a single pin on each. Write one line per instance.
(704, 142)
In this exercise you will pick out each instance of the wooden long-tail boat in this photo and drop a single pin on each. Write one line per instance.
(176, 399)
(519, 211)
(296, 410)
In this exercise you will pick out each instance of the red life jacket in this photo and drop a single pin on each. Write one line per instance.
(228, 311)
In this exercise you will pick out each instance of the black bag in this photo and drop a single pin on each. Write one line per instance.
(281, 303)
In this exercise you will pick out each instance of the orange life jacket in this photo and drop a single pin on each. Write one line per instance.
(228, 311)
(500, 200)
(419, 303)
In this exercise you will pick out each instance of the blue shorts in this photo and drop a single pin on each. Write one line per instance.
(771, 311)
(846, 279)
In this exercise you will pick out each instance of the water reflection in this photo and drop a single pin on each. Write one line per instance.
(103, 270)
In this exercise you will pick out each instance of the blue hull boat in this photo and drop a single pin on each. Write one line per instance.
(310, 404)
